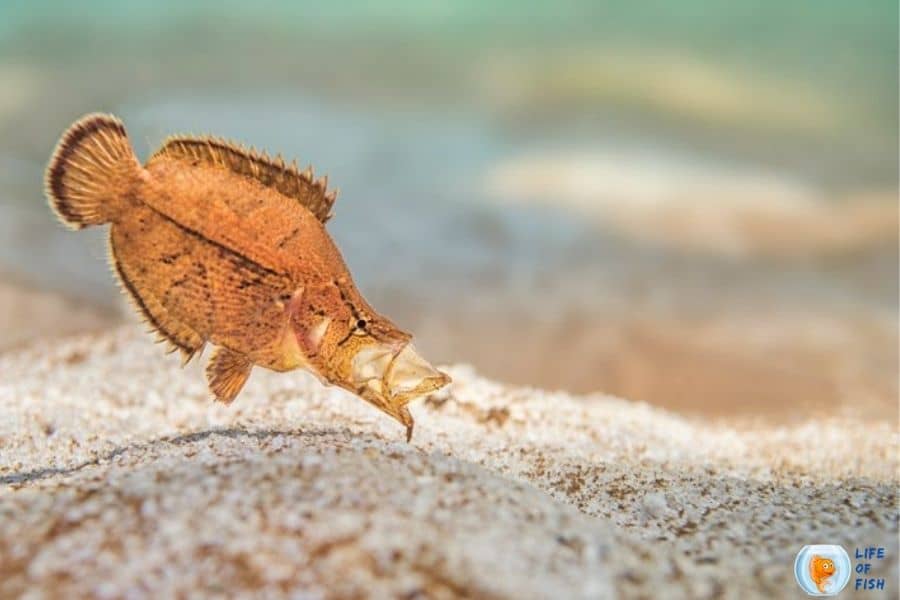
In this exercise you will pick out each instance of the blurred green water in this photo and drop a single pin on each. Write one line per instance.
(411, 104)
(782, 78)
(410, 107)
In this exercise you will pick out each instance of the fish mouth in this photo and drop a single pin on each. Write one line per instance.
(409, 375)
(389, 376)
(396, 375)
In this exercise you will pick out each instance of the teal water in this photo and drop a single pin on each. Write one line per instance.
(411, 107)
(782, 60)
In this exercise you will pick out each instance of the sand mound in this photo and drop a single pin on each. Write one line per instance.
(119, 477)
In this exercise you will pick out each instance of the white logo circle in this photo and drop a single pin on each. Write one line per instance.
(822, 569)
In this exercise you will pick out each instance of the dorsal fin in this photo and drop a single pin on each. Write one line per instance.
(271, 172)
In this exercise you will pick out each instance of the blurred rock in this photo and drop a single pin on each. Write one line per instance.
(28, 315)
(695, 207)
(675, 85)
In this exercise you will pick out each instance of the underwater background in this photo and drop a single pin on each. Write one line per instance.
(690, 204)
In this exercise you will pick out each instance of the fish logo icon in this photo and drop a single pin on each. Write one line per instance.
(822, 569)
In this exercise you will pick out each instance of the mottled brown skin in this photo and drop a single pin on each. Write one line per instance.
(217, 244)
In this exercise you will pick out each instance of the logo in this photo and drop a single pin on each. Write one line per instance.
(822, 569)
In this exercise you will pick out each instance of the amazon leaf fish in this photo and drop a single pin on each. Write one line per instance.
(216, 243)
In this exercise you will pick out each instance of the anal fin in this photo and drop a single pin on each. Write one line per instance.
(180, 336)
(227, 372)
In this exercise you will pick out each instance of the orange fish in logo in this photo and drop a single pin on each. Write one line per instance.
(820, 569)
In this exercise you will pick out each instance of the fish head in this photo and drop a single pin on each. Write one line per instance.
(823, 566)
(365, 353)
(380, 364)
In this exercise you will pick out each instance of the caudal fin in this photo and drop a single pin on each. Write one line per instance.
(91, 169)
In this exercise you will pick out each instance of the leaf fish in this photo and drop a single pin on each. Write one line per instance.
(216, 243)
(820, 570)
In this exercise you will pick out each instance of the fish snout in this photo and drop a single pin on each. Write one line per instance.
(396, 371)
(390, 375)
(409, 375)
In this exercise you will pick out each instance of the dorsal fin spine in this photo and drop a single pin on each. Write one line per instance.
(258, 165)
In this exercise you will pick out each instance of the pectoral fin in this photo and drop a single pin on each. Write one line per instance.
(227, 372)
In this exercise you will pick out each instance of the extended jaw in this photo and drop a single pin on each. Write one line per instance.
(394, 377)
(400, 374)
(409, 375)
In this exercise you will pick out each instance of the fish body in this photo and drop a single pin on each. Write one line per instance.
(217, 244)
(820, 570)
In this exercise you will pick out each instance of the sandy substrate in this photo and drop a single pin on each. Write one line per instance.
(118, 477)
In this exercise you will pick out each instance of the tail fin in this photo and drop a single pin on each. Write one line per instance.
(92, 166)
